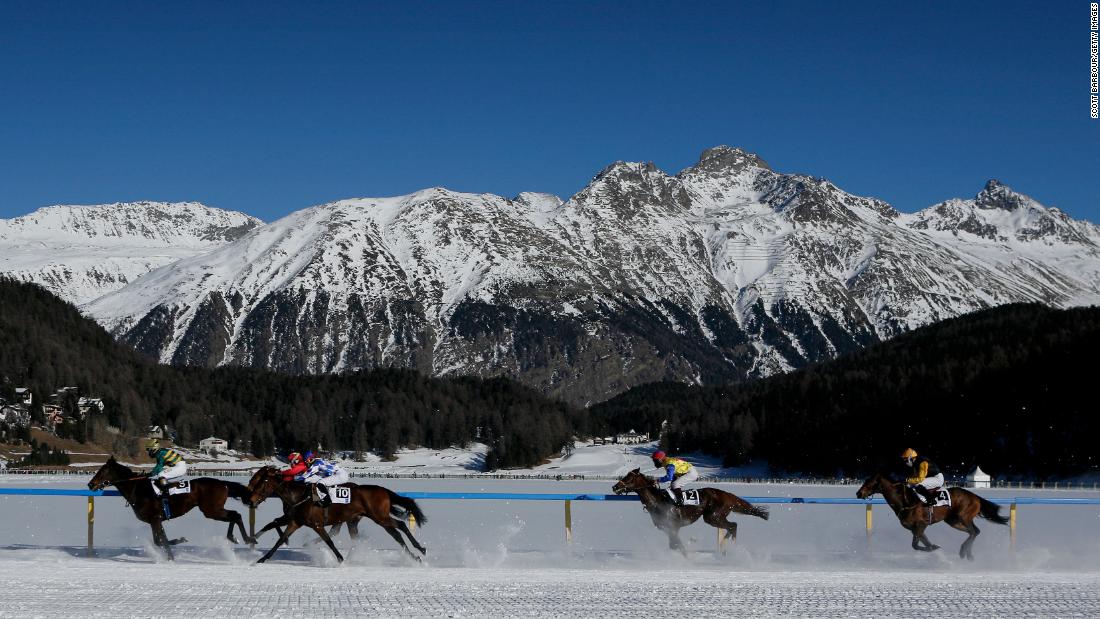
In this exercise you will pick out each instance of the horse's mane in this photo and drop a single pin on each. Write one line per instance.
(118, 466)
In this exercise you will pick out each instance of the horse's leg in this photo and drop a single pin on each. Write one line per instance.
(226, 515)
(276, 524)
(161, 539)
(397, 536)
(291, 527)
(405, 529)
(328, 540)
(929, 546)
(353, 528)
(970, 529)
(719, 521)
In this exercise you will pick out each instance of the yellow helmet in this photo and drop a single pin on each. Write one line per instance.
(909, 453)
(152, 445)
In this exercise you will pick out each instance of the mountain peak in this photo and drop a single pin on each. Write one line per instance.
(997, 195)
(727, 158)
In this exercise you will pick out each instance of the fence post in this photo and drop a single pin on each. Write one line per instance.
(252, 526)
(1012, 525)
(91, 523)
(568, 521)
(869, 523)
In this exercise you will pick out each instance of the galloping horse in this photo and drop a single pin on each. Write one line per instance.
(282, 521)
(207, 493)
(913, 515)
(384, 507)
(714, 506)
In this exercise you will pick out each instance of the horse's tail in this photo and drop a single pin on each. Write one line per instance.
(991, 511)
(408, 505)
(742, 506)
(237, 491)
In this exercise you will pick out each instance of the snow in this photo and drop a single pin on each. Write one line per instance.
(509, 558)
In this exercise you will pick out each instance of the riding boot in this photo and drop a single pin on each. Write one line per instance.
(679, 496)
(162, 485)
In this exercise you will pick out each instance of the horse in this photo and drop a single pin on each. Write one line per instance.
(384, 507)
(965, 507)
(714, 506)
(207, 493)
(282, 521)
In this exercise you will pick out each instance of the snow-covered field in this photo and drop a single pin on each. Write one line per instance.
(510, 558)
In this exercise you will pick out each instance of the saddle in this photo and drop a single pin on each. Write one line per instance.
(941, 495)
(177, 487)
(691, 497)
(331, 495)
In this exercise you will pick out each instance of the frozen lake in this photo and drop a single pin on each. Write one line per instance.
(509, 558)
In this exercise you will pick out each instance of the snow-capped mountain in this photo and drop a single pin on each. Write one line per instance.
(723, 271)
(83, 252)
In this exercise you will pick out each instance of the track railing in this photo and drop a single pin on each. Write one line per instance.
(568, 498)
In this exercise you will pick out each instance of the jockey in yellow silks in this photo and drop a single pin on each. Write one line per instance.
(678, 471)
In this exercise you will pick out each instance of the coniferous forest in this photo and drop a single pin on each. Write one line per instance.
(1012, 389)
(45, 343)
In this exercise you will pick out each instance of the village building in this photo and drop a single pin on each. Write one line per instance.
(213, 445)
(978, 478)
(631, 438)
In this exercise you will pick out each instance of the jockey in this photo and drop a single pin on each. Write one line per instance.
(921, 474)
(322, 474)
(169, 467)
(297, 466)
(170, 464)
(679, 472)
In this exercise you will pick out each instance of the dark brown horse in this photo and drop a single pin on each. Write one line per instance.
(282, 521)
(384, 507)
(207, 493)
(914, 515)
(714, 506)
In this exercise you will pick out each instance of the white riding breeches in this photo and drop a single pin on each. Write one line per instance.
(337, 478)
(178, 469)
(685, 479)
(933, 482)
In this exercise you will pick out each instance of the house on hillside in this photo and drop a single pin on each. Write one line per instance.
(15, 415)
(631, 438)
(24, 396)
(90, 406)
(213, 445)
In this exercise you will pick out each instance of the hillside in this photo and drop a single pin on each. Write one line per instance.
(46, 343)
(1012, 389)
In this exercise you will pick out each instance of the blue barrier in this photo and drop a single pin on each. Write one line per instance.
(568, 501)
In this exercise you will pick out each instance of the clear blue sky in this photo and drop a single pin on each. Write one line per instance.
(271, 107)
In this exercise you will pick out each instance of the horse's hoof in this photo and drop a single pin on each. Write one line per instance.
(933, 547)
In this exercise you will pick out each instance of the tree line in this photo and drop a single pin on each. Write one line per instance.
(45, 343)
(1011, 389)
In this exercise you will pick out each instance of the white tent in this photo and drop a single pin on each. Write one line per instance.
(978, 478)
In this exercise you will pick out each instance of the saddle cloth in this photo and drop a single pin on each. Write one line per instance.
(943, 498)
(338, 495)
(691, 497)
(176, 487)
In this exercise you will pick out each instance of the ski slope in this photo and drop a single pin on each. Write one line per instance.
(510, 558)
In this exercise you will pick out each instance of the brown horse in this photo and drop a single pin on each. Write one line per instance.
(714, 506)
(914, 515)
(207, 493)
(384, 507)
(282, 521)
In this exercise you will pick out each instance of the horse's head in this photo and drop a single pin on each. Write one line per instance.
(633, 482)
(263, 484)
(109, 473)
(877, 483)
